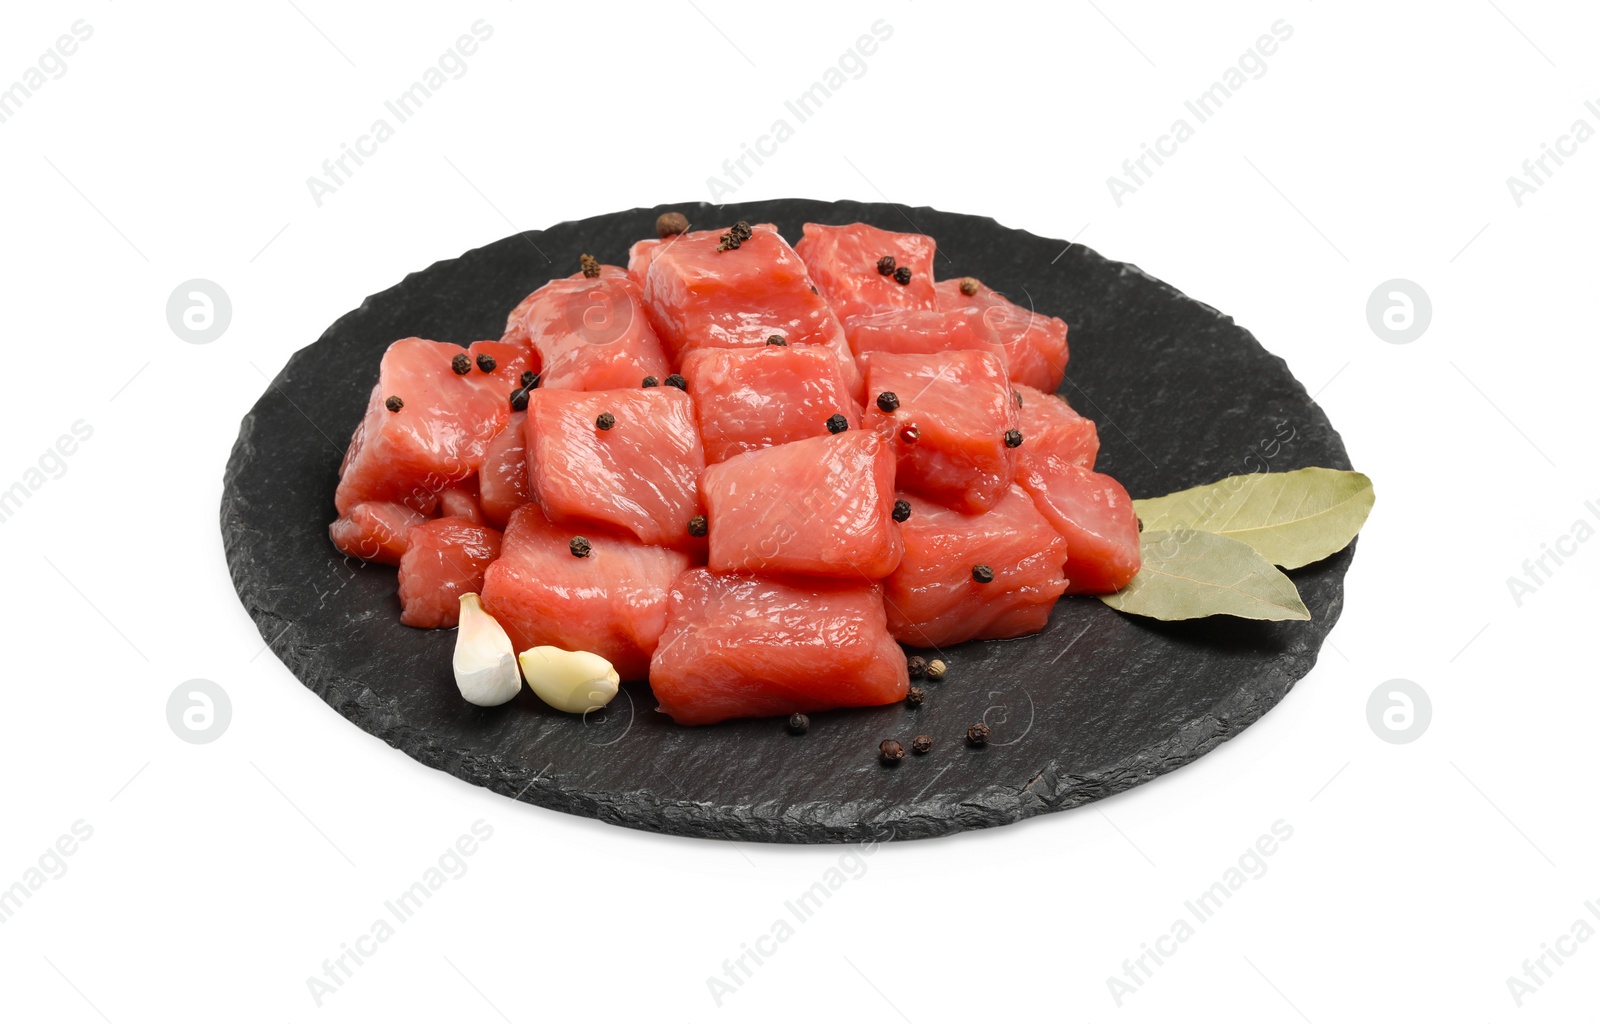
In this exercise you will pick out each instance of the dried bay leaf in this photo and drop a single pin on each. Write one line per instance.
(1190, 574)
(1292, 519)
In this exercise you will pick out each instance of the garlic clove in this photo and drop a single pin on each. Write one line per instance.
(485, 663)
(573, 681)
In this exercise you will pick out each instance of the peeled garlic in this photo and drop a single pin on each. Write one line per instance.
(575, 681)
(485, 663)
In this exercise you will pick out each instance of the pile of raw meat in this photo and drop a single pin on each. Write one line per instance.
(744, 471)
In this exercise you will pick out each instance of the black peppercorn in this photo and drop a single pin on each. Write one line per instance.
(605, 421)
(580, 547)
(921, 744)
(393, 403)
(978, 734)
(1013, 439)
(1018, 396)
(888, 401)
(837, 423)
(969, 286)
(916, 695)
(461, 364)
(486, 363)
(669, 224)
(890, 751)
(589, 265)
(675, 380)
(902, 275)
(902, 510)
(698, 526)
(916, 666)
(886, 265)
(798, 724)
(982, 573)
(734, 237)
(777, 339)
(530, 380)
(519, 400)
(650, 382)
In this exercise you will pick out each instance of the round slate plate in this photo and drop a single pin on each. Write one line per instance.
(1095, 704)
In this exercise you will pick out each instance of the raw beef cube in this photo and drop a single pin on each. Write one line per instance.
(461, 500)
(1095, 515)
(749, 398)
(375, 531)
(1035, 344)
(591, 334)
(503, 483)
(962, 408)
(742, 646)
(516, 331)
(819, 507)
(1052, 427)
(439, 433)
(613, 601)
(933, 599)
(698, 297)
(640, 475)
(444, 559)
(922, 330)
(843, 261)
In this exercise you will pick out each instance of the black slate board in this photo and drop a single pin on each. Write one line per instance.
(1095, 704)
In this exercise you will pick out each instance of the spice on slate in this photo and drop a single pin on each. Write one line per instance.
(530, 380)
(916, 695)
(978, 734)
(902, 275)
(916, 666)
(890, 751)
(969, 286)
(486, 363)
(777, 339)
(669, 224)
(886, 265)
(393, 403)
(651, 382)
(675, 380)
(936, 669)
(461, 364)
(798, 724)
(902, 510)
(519, 400)
(837, 423)
(910, 434)
(921, 744)
(888, 401)
(589, 265)
(1013, 439)
(698, 526)
(982, 573)
(605, 421)
(580, 547)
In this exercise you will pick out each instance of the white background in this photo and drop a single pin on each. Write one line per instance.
(1376, 146)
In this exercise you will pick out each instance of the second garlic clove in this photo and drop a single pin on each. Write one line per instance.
(572, 681)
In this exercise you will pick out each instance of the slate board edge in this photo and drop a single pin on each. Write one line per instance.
(1003, 804)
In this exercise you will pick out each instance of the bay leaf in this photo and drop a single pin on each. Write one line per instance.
(1293, 518)
(1190, 574)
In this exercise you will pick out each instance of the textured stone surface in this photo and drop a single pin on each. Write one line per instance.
(1096, 704)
